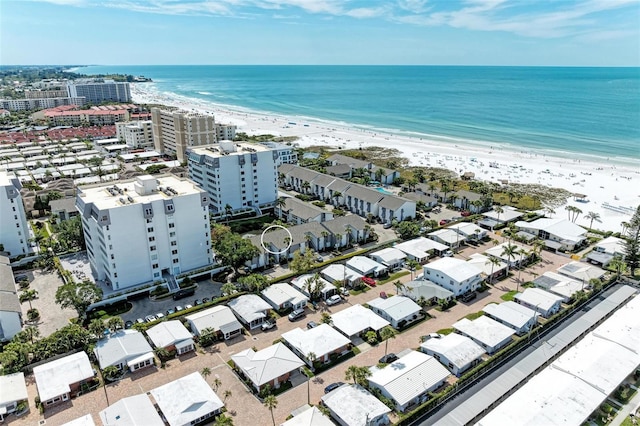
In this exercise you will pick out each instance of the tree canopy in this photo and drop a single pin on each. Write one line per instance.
(78, 296)
(230, 248)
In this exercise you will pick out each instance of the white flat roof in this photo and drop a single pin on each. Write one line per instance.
(301, 282)
(559, 227)
(121, 347)
(581, 271)
(168, 333)
(484, 330)
(611, 245)
(483, 263)
(12, 388)
(420, 247)
(249, 306)
(281, 293)
(468, 229)
(186, 399)
(53, 378)
(218, 318)
(356, 319)
(397, 307)
(457, 269)
(319, 340)
(538, 297)
(354, 405)
(558, 284)
(389, 255)
(448, 235)
(508, 213)
(496, 251)
(267, 364)
(340, 272)
(135, 410)
(364, 265)
(458, 349)
(309, 417)
(511, 313)
(240, 149)
(409, 376)
(85, 420)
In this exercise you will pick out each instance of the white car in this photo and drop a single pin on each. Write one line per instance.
(334, 300)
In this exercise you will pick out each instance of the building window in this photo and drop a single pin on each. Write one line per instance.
(154, 266)
(173, 243)
(152, 239)
(150, 229)
(172, 225)
(172, 234)
(152, 248)
(170, 207)
(175, 260)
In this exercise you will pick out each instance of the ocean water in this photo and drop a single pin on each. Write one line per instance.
(593, 112)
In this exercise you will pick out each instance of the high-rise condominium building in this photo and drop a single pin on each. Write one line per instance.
(144, 229)
(14, 231)
(242, 175)
(136, 134)
(97, 91)
(175, 131)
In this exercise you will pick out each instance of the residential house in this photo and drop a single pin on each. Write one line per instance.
(543, 302)
(408, 380)
(418, 197)
(468, 200)
(560, 285)
(339, 170)
(456, 352)
(490, 271)
(85, 420)
(188, 400)
(424, 291)
(606, 250)
(494, 218)
(13, 391)
(400, 311)
(448, 237)
(557, 234)
(455, 275)
(390, 257)
(297, 212)
(219, 319)
(282, 296)
(250, 309)
(353, 405)
(357, 320)
(468, 230)
(64, 208)
(581, 271)
(10, 309)
(346, 230)
(137, 410)
(172, 336)
(308, 416)
(321, 341)
(366, 267)
(486, 332)
(421, 249)
(375, 173)
(302, 283)
(126, 348)
(511, 314)
(271, 366)
(522, 254)
(62, 379)
(339, 274)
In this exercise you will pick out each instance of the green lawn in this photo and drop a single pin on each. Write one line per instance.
(507, 297)
(474, 315)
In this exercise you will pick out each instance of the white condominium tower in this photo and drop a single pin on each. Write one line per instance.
(136, 134)
(144, 229)
(175, 131)
(14, 231)
(242, 175)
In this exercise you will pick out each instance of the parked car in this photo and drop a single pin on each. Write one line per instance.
(388, 358)
(196, 302)
(205, 299)
(171, 311)
(21, 277)
(178, 308)
(468, 296)
(383, 295)
(447, 253)
(387, 225)
(444, 221)
(159, 315)
(184, 293)
(139, 321)
(332, 387)
(150, 318)
(465, 213)
(334, 300)
(369, 281)
(312, 324)
(430, 336)
(267, 325)
(296, 315)
(319, 259)
(128, 324)
(188, 306)
(344, 291)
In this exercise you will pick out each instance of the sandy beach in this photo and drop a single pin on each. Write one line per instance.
(612, 189)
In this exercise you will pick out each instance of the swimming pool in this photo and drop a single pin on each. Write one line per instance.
(384, 191)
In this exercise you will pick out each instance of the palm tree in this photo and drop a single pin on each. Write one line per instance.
(618, 265)
(510, 251)
(399, 286)
(498, 210)
(205, 372)
(223, 420)
(31, 332)
(351, 373)
(115, 323)
(271, 402)
(305, 187)
(521, 252)
(228, 289)
(549, 210)
(110, 372)
(217, 383)
(96, 327)
(593, 216)
(569, 209)
(280, 203)
(387, 333)
(226, 394)
(494, 261)
(28, 296)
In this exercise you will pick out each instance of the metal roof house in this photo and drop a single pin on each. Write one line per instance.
(135, 410)
(322, 341)
(300, 283)
(409, 379)
(283, 296)
(339, 273)
(250, 309)
(219, 318)
(390, 257)
(13, 390)
(420, 249)
(540, 301)
(187, 401)
(353, 405)
(486, 332)
(560, 285)
(398, 310)
(365, 266)
(171, 335)
(456, 352)
(271, 366)
(557, 233)
(356, 320)
(60, 380)
(308, 416)
(126, 348)
(455, 275)
(511, 314)
(581, 271)
(426, 290)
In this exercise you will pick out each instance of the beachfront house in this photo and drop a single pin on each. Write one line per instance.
(408, 380)
(353, 405)
(126, 348)
(271, 366)
(400, 311)
(134, 410)
(172, 336)
(356, 320)
(512, 314)
(560, 285)
(323, 342)
(282, 296)
(219, 319)
(456, 352)
(390, 257)
(250, 309)
(486, 332)
(455, 275)
(188, 400)
(13, 391)
(494, 218)
(60, 380)
(581, 271)
(557, 234)
(543, 302)
(606, 250)
(468, 200)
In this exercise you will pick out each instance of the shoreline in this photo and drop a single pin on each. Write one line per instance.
(604, 182)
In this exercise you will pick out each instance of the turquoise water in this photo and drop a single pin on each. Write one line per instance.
(562, 111)
(384, 191)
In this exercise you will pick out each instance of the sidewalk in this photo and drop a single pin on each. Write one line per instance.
(624, 412)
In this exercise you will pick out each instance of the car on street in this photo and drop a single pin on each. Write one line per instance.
(296, 315)
(444, 221)
(383, 295)
(430, 336)
(150, 318)
(139, 321)
(159, 315)
(332, 387)
(171, 311)
(268, 325)
(388, 358)
(465, 213)
(334, 300)
(128, 324)
(178, 308)
(205, 299)
(312, 324)
(368, 281)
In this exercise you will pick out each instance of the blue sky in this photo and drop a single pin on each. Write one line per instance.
(438, 32)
